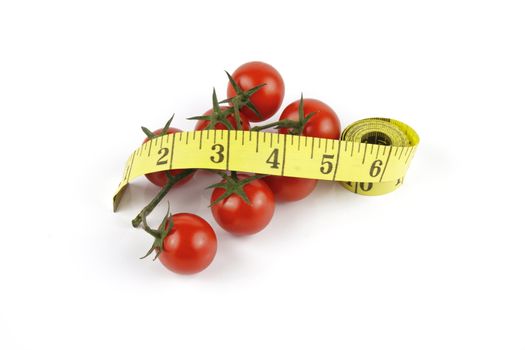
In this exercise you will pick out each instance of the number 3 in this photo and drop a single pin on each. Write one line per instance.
(219, 149)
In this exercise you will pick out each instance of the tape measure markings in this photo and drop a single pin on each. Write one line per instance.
(227, 150)
(172, 153)
(131, 165)
(337, 159)
(284, 153)
(364, 153)
(412, 149)
(369, 169)
(386, 164)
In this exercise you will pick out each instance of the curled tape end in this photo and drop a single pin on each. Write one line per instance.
(118, 197)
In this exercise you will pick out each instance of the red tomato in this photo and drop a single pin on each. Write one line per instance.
(266, 100)
(202, 124)
(190, 246)
(289, 189)
(160, 178)
(324, 123)
(238, 217)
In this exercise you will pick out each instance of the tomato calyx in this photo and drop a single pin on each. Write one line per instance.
(295, 127)
(242, 98)
(159, 234)
(233, 185)
(218, 115)
(163, 132)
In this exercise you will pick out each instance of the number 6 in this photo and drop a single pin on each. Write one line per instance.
(375, 169)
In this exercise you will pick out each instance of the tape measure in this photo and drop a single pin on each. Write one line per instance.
(371, 158)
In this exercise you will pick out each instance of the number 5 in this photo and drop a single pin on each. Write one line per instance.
(326, 165)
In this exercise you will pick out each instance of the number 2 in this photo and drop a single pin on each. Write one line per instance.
(163, 153)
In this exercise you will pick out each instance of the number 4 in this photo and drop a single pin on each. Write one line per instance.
(273, 159)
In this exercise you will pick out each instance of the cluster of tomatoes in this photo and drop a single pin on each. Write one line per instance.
(241, 204)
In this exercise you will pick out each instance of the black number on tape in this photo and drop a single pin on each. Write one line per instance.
(219, 149)
(326, 165)
(273, 159)
(361, 185)
(369, 186)
(375, 169)
(163, 153)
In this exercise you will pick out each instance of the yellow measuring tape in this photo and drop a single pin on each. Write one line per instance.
(371, 158)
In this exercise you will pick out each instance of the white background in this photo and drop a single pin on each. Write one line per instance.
(439, 264)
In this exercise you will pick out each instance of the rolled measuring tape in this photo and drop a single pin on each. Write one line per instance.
(371, 157)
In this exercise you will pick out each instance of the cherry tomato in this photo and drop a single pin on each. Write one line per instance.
(238, 217)
(324, 123)
(202, 124)
(289, 189)
(190, 246)
(266, 100)
(160, 178)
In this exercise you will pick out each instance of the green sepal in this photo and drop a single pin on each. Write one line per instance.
(148, 133)
(236, 87)
(199, 117)
(254, 89)
(237, 116)
(167, 126)
(163, 132)
(252, 108)
(215, 102)
(242, 98)
(295, 126)
(232, 185)
(160, 234)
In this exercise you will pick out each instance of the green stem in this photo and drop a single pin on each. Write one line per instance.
(237, 116)
(147, 228)
(267, 126)
(172, 180)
